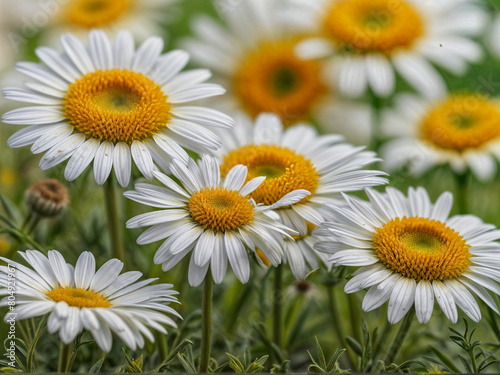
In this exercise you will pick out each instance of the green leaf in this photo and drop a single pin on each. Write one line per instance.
(446, 361)
(96, 367)
(354, 346)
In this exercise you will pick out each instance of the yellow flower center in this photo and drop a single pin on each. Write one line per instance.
(116, 105)
(95, 13)
(78, 297)
(373, 25)
(421, 249)
(462, 122)
(285, 170)
(220, 210)
(272, 79)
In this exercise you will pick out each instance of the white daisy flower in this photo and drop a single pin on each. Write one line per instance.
(369, 40)
(110, 103)
(254, 58)
(462, 131)
(215, 220)
(297, 158)
(142, 18)
(79, 298)
(409, 251)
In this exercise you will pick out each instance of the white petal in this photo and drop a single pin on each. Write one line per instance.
(402, 299)
(424, 301)
(142, 159)
(237, 257)
(103, 162)
(122, 163)
(445, 300)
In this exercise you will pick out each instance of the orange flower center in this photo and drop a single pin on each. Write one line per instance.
(462, 122)
(96, 13)
(373, 25)
(421, 249)
(116, 105)
(285, 170)
(272, 79)
(220, 210)
(78, 297)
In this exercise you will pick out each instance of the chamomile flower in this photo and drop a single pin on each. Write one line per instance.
(369, 40)
(297, 158)
(79, 298)
(254, 58)
(410, 252)
(142, 18)
(215, 220)
(110, 104)
(462, 131)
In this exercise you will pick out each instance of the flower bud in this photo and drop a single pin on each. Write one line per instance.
(47, 198)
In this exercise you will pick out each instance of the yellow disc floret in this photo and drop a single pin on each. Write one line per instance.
(220, 210)
(285, 170)
(373, 25)
(78, 297)
(95, 13)
(462, 122)
(116, 105)
(272, 79)
(421, 249)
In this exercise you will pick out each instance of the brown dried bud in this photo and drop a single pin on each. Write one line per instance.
(47, 198)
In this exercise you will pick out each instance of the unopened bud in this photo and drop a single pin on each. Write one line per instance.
(47, 198)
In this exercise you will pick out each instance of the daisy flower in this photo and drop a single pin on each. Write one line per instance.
(410, 252)
(215, 220)
(254, 58)
(366, 41)
(297, 158)
(110, 103)
(79, 298)
(142, 18)
(462, 131)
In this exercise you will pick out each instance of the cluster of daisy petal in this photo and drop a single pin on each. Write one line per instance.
(253, 168)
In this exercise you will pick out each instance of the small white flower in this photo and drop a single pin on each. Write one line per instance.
(410, 252)
(462, 131)
(79, 298)
(365, 42)
(110, 104)
(142, 18)
(253, 57)
(297, 158)
(215, 220)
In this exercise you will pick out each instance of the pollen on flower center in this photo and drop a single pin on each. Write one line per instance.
(421, 249)
(220, 210)
(78, 297)
(272, 79)
(95, 13)
(462, 122)
(373, 25)
(116, 105)
(285, 170)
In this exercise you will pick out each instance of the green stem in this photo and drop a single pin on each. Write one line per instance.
(355, 317)
(30, 223)
(206, 322)
(336, 321)
(161, 340)
(461, 181)
(278, 307)
(376, 106)
(114, 224)
(65, 351)
(400, 337)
